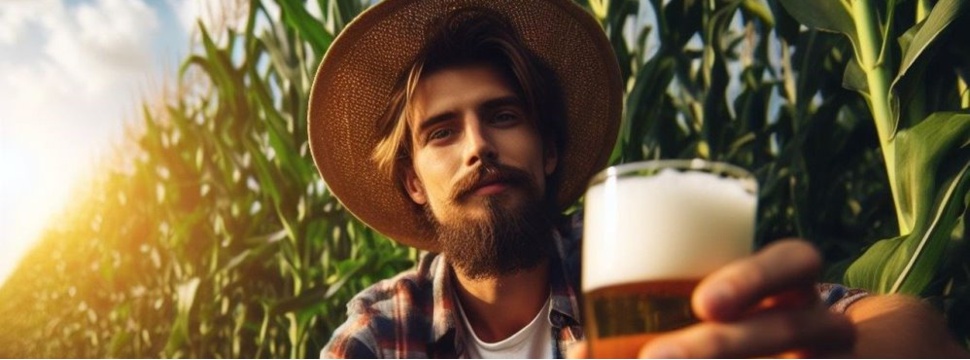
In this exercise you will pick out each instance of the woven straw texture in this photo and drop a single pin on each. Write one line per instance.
(353, 85)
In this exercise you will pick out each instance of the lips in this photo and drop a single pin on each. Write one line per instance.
(490, 179)
(490, 184)
(490, 188)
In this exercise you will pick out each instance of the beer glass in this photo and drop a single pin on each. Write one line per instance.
(652, 231)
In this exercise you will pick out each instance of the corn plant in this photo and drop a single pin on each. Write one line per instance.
(211, 234)
(910, 64)
(856, 126)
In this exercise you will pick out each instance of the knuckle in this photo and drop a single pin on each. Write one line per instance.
(717, 342)
(750, 275)
(741, 275)
(802, 253)
(787, 328)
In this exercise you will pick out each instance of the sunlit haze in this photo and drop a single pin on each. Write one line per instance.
(72, 74)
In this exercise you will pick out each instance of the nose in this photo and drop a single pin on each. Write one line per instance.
(478, 143)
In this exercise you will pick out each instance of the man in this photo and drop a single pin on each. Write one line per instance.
(464, 128)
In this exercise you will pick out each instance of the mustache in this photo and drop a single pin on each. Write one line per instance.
(490, 173)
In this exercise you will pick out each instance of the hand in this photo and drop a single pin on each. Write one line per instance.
(763, 305)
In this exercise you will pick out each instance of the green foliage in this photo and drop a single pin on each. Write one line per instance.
(912, 69)
(213, 236)
(840, 169)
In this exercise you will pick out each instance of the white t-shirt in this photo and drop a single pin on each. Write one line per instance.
(534, 341)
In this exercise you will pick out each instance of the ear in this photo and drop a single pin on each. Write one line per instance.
(414, 187)
(550, 157)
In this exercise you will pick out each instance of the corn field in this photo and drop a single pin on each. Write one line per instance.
(212, 235)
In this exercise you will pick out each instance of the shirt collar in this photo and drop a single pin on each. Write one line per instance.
(565, 302)
(444, 318)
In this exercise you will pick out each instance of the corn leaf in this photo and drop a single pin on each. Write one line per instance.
(855, 78)
(942, 15)
(828, 15)
(932, 160)
(298, 18)
(180, 328)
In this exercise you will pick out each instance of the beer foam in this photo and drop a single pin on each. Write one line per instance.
(670, 226)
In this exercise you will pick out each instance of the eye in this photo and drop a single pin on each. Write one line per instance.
(505, 117)
(439, 134)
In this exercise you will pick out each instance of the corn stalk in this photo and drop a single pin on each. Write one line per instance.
(924, 145)
(216, 238)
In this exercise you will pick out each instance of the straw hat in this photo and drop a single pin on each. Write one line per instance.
(353, 86)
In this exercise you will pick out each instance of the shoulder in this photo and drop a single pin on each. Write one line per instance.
(412, 287)
(389, 315)
(569, 239)
(570, 234)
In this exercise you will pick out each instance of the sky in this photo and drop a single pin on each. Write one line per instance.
(72, 74)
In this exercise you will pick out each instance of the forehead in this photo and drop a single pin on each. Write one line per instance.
(452, 88)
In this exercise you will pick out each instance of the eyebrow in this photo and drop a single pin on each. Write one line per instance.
(430, 122)
(510, 100)
(491, 104)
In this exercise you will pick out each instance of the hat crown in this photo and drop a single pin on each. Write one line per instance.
(354, 84)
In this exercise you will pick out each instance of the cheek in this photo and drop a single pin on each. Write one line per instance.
(525, 152)
(434, 171)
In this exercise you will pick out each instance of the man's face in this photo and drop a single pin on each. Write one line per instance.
(467, 118)
(479, 169)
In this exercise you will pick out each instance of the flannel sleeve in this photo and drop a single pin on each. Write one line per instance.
(352, 340)
(838, 297)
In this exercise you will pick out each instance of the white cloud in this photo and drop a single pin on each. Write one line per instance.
(16, 14)
(81, 59)
(187, 12)
(102, 43)
(71, 75)
(215, 15)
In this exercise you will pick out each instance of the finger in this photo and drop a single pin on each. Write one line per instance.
(577, 351)
(798, 297)
(813, 332)
(783, 266)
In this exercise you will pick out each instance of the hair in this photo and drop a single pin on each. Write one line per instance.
(472, 36)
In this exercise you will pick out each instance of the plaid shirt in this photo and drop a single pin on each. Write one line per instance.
(414, 314)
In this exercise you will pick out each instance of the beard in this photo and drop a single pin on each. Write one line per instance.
(509, 237)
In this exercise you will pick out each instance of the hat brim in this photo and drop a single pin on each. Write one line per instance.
(353, 85)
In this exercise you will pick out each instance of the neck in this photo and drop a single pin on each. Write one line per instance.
(501, 306)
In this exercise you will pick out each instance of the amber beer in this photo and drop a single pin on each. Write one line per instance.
(652, 230)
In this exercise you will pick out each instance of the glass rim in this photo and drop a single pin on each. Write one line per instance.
(716, 167)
